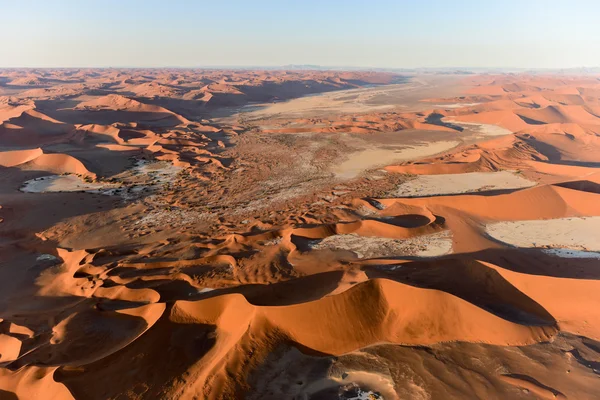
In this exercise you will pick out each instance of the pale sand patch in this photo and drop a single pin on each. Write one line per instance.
(568, 253)
(157, 172)
(577, 233)
(173, 217)
(457, 105)
(342, 101)
(380, 157)
(46, 257)
(355, 381)
(483, 129)
(431, 185)
(62, 183)
(365, 395)
(161, 171)
(432, 245)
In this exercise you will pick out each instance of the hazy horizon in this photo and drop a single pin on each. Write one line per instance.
(307, 67)
(353, 34)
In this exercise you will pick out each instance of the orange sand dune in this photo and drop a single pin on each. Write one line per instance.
(152, 89)
(487, 90)
(569, 128)
(535, 203)
(102, 131)
(382, 310)
(567, 171)
(566, 146)
(535, 101)
(11, 108)
(367, 227)
(561, 114)
(68, 335)
(60, 163)
(519, 87)
(37, 159)
(502, 153)
(505, 119)
(593, 92)
(33, 127)
(495, 105)
(116, 102)
(564, 98)
(16, 157)
(33, 383)
(31, 80)
(573, 302)
(547, 298)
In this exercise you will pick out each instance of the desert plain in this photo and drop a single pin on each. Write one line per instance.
(304, 234)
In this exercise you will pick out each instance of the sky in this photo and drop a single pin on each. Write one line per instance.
(374, 33)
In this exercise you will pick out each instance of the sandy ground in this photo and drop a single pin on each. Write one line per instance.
(560, 233)
(431, 245)
(456, 105)
(371, 158)
(435, 185)
(298, 234)
(481, 130)
(406, 95)
(143, 177)
(61, 183)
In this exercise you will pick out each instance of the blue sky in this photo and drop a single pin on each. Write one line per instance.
(376, 33)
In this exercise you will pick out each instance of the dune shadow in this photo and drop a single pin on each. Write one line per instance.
(436, 119)
(409, 220)
(487, 193)
(536, 383)
(554, 155)
(146, 366)
(582, 186)
(285, 293)
(6, 395)
(535, 262)
(530, 121)
(472, 282)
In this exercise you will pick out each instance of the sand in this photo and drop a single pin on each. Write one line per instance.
(432, 245)
(62, 183)
(457, 105)
(372, 158)
(377, 98)
(482, 130)
(434, 185)
(298, 234)
(570, 253)
(143, 176)
(560, 233)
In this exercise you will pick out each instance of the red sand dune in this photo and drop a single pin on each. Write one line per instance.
(38, 160)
